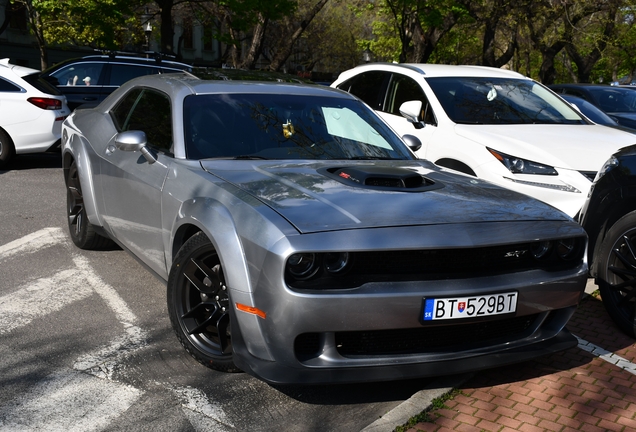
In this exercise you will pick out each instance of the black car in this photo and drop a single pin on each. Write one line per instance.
(617, 102)
(609, 217)
(595, 114)
(88, 80)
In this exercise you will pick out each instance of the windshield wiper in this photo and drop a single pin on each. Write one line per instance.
(371, 158)
(249, 157)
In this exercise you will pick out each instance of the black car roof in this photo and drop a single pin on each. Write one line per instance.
(155, 60)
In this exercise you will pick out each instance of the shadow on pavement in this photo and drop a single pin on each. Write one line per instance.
(359, 393)
(33, 161)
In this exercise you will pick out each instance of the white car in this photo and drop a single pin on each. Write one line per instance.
(491, 123)
(31, 112)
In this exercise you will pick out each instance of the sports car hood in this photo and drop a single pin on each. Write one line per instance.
(336, 195)
(576, 147)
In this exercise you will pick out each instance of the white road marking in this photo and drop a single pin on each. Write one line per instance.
(105, 361)
(202, 414)
(32, 242)
(40, 298)
(68, 401)
(608, 356)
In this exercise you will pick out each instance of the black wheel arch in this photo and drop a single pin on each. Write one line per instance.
(456, 165)
(598, 231)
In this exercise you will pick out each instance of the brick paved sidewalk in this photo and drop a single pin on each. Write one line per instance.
(572, 390)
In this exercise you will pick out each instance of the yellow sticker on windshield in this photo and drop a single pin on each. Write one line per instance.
(288, 129)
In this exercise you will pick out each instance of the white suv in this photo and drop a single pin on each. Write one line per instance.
(31, 112)
(491, 123)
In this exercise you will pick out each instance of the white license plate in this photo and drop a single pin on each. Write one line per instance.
(469, 307)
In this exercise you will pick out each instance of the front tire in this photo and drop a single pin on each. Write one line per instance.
(199, 304)
(81, 230)
(617, 273)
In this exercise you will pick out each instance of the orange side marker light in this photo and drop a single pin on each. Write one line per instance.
(251, 310)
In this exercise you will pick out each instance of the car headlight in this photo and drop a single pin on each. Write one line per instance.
(303, 265)
(518, 165)
(609, 165)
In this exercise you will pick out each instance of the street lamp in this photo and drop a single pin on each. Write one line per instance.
(367, 55)
(147, 27)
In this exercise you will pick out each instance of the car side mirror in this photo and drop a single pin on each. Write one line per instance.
(411, 110)
(131, 141)
(412, 142)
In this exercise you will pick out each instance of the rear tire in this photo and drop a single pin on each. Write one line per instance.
(7, 150)
(617, 273)
(199, 304)
(81, 230)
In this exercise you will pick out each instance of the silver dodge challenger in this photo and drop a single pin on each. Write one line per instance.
(302, 241)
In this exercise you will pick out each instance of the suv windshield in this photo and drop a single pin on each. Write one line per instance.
(271, 126)
(477, 100)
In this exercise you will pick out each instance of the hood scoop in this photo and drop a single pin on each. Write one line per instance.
(381, 178)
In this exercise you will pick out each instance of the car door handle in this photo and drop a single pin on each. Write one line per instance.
(90, 98)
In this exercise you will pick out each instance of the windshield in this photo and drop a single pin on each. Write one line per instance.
(278, 126)
(615, 99)
(477, 100)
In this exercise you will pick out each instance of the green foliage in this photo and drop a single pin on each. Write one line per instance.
(96, 23)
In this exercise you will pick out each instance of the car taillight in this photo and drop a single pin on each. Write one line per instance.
(46, 103)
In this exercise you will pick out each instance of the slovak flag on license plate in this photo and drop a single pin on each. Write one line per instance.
(461, 306)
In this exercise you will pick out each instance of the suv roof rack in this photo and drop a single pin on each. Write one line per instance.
(158, 56)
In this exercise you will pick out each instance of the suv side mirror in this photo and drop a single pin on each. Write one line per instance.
(411, 110)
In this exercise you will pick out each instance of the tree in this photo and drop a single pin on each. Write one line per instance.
(597, 31)
(293, 29)
(96, 23)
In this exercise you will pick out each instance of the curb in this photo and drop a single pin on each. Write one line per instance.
(419, 402)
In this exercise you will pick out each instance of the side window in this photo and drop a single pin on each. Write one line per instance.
(120, 73)
(122, 111)
(368, 86)
(151, 113)
(79, 74)
(6, 86)
(403, 89)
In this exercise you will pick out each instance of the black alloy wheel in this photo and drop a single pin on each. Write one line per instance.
(81, 230)
(199, 304)
(617, 273)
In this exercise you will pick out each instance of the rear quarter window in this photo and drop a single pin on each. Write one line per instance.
(368, 86)
(41, 84)
(8, 87)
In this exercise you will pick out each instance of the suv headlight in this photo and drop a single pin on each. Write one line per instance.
(607, 167)
(522, 166)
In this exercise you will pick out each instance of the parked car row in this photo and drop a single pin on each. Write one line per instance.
(302, 240)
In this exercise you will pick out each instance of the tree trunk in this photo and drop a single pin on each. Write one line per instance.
(586, 63)
(166, 29)
(281, 56)
(249, 62)
(4, 4)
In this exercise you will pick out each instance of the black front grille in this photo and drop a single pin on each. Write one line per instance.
(416, 340)
(422, 265)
